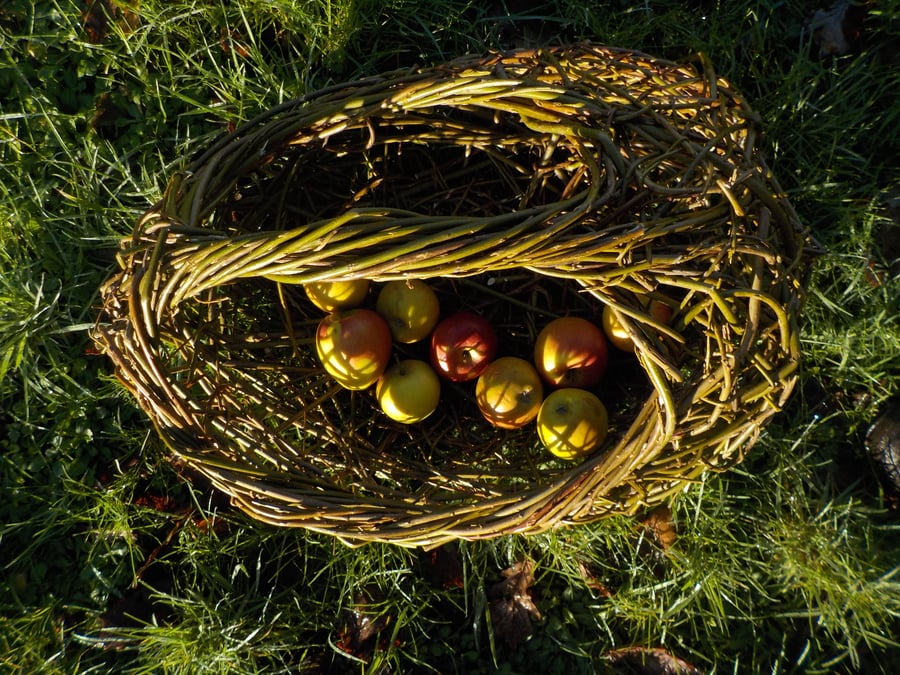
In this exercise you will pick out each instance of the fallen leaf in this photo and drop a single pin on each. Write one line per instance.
(883, 445)
(100, 14)
(660, 526)
(589, 575)
(444, 566)
(361, 625)
(650, 661)
(158, 502)
(232, 40)
(835, 29)
(656, 537)
(512, 606)
(213, 525)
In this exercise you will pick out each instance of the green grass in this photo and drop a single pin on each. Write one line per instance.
(787, 564)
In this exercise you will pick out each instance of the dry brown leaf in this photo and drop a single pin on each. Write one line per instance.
(837, 28)
(100, 14)
(651, 661)
(591, 580)
(883, 445)
(232, 40)
(659, 525)
(444, 566)
(658, 533)
(512, 605)
(362, 624)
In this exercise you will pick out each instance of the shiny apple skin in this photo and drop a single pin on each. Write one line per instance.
(330, 296)
(572, 423)
(615, 331)
(408, 391)
(354, 347)
(462, 346)
(410, 307)
(571, 352)
(509, 392)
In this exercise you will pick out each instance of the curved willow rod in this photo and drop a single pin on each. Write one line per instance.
(525, 185)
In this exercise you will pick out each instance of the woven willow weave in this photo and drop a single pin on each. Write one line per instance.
(524, 186)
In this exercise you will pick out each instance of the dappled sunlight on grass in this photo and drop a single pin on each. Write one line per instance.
(118, 559)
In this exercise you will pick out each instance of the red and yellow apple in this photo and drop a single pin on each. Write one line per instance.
(408, 391)
(571, 352)
(660, 311)
(330, 296)
(615, 331)
(509, 392)
(410, 307)
(462, 346)
(572, 423)
(621, 338)
(354, 347)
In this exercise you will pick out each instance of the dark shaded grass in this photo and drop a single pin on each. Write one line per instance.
(784, 565)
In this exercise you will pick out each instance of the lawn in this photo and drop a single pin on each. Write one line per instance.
(112, 559)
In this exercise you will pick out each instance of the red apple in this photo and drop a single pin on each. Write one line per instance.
(354, 347)
(571, 352)
(462, 345)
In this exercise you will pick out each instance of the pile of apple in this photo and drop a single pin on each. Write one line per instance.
(354, 345)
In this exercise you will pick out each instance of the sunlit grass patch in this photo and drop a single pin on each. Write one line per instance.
(114, 561)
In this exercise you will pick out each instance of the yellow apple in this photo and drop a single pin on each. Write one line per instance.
(410, 307)
(354, 347)
(333, 295)
(509, 392)
(408, 391)
(572, 423)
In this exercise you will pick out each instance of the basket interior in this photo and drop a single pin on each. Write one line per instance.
(245, 348)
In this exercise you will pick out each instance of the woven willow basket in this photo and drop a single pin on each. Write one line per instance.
(524, 186)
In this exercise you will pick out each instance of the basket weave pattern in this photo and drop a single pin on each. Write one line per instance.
(528, 184)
